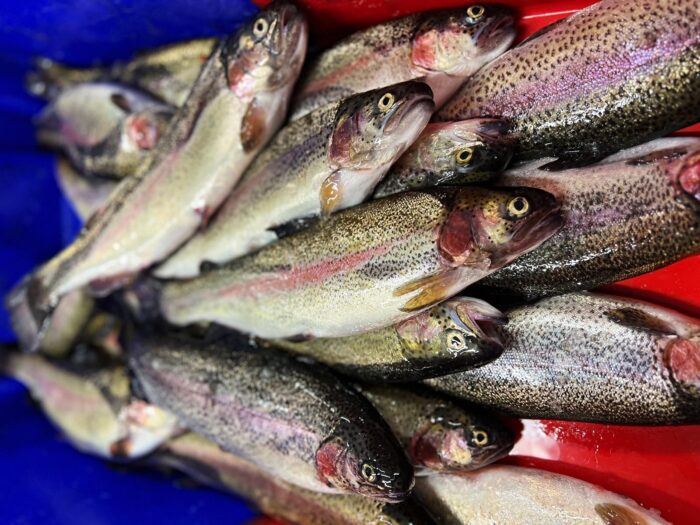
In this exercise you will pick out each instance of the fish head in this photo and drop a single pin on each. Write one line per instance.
(267, 52)
(366, 461)
(458, 439)
(460, 332)
(459, 41)
(689, 175)
(492, 226)
(681, 356)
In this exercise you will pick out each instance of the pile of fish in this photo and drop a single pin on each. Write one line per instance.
(267, 292)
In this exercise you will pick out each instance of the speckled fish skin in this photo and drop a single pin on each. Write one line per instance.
(207, 463)
(85, 194)
(437, 433)
(298, 423)
(106, 129)
(440, 47)
(616, 74)
(509, 495)
(167, 73)
(622, 218)
(328, 160)
(454, 335)
(93, 406)
(464, 152)
(399, 256)
(236, 105)
(589, 357)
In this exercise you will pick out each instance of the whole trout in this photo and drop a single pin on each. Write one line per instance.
(326, 161)
(588, 357)
(370, 266)
(300, 424)
(608, 77)
(440, 47)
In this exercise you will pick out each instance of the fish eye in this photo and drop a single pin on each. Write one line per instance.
(475, 12)
(464, 155)
(260, 27)
(480, 438)
(518, 206)
(386, 102)
(456, 340)
(368, 472)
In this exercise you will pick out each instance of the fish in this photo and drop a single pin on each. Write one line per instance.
(207, 463)
(167, 72)
(464, 152)
(366, 267)
(441, 48)
(608, 77)
(590, 357)
(297, 423)
(633, 213)
(328, 160)
(235, 106)
(86, 195)
(93, 406)
(454, 335)
(106, 129)
(439, 434)
(510, 495)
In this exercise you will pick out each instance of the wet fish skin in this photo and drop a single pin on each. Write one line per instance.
(298, 423)
(326, 161)
(510, 495)
(167, 72)
(206, 462)
(438, 433)
(464, 152)
(85, 194)
(609, 211)
(93, 406)
(234, 108)
(454, 335)
(568, 99)
(440, 47)
(402, 255)
(590, 357)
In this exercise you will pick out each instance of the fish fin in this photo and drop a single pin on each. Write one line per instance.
(433, 289)
(104, 286)
(615, 514)
(331, 194)
(571, 160)
(299, 338)
(253, 126)
(121, 102)
(293, 226)
(639, 319)
(546, 29)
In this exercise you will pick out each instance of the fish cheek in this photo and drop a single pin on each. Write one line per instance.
(253, 127)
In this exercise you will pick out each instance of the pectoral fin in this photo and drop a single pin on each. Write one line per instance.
(253, 126)
(331, 194)
(614, 514)
(432, 290)
(639, 319)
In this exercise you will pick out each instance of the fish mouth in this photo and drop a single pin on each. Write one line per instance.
(500, 32)
(488, 455)
(541, 228)
(417, 106)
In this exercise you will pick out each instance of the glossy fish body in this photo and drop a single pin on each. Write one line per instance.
(437, 433)
(206, 462)
(440, 47)
(236, 105)
(106, 129)
(298, 423)
(464, 152)
(508, 495)
(367, 267)
(621, 218)
(326, 161)
(85, 194)
(167, 73)
(93, 406)
(589, 357)
(451, 336)
(579, 102)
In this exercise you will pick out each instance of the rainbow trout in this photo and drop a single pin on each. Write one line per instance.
(370, 266)
(437, 433)
(465, 152)
(441, 48)
(300, 424)
(589, 357)
(105, 129)
(236, 105)
(637, 211)
(167, 72)
(454, 335)
(508, 495)
(325, 161)
(606, 78)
